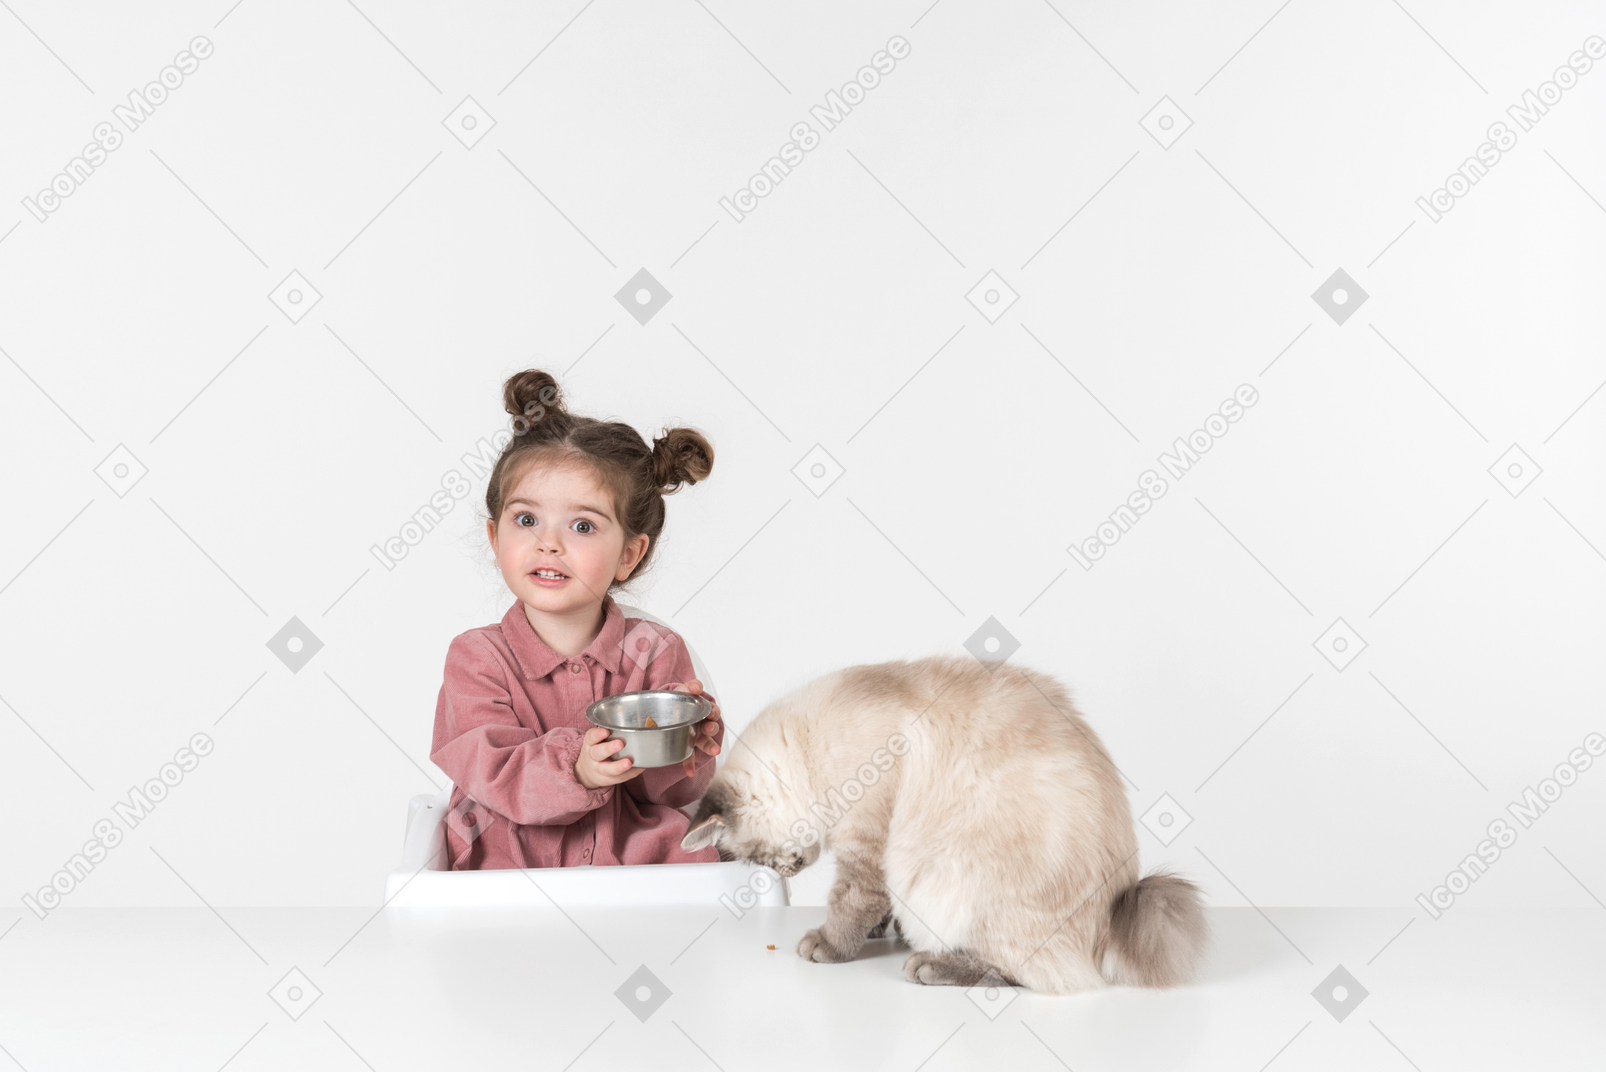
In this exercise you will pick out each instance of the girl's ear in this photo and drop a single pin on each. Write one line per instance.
(705, 831)
(631, 555)
(490, 533)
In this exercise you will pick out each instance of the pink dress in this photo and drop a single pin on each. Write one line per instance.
(508, 728)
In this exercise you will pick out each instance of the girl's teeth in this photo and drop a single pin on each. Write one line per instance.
(548, 574)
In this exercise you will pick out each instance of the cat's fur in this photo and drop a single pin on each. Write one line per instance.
(999, 843)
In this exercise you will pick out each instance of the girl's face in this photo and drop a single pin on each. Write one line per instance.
(558, 542)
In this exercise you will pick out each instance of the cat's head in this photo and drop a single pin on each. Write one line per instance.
(747, 814)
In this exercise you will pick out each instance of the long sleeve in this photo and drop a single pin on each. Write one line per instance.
(520, 773)
(669, 785)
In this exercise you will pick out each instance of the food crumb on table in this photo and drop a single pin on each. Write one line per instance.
(769, 947)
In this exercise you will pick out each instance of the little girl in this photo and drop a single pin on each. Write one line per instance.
(576, 507)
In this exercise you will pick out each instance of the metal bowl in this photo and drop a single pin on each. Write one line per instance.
(668, 742)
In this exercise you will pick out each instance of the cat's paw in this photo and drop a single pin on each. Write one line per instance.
(940, 969)
(920, 969)
(816, 947)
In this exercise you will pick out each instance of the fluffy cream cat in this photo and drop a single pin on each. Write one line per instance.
(970, 808)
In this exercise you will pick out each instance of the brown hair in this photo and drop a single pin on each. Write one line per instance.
(638, 475)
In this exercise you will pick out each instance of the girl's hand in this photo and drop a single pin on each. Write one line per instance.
(593, 769)
(707, 729)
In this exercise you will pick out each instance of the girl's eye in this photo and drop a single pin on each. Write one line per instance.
(524, 520)
(584, 527)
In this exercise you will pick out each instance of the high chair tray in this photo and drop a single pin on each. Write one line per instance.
(422, 881)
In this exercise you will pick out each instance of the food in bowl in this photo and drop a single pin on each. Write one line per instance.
(657, 725)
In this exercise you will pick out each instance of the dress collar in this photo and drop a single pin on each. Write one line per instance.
(537, 660)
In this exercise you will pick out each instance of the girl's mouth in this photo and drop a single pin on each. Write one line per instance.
(548, 577)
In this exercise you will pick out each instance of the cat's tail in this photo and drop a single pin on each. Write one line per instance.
(1157, 933)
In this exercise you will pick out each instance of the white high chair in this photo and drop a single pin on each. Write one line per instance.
(423, 880)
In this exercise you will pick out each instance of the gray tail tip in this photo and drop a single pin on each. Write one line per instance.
(1157, 933)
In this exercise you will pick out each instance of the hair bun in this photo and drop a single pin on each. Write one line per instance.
(532, 394)
(681, 456)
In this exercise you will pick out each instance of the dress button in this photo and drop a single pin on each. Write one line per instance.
(586, 853)
(575, 668)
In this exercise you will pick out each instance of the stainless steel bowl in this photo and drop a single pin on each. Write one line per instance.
(676, 715)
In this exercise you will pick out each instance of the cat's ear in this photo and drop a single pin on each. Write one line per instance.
(709, 823)
(705, 831)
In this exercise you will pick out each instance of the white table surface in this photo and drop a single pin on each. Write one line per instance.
(414, 989)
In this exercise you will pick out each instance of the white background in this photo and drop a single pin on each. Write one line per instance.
(1358, 487)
